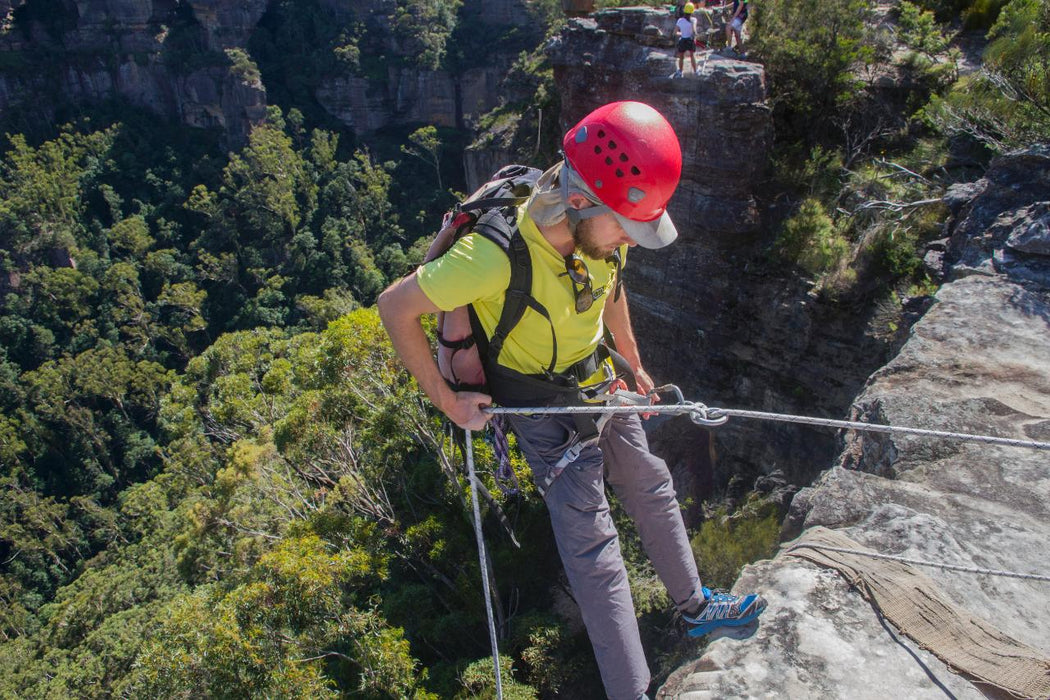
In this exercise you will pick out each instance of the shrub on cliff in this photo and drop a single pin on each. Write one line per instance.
(1006, 104)
(727, 543)
(810, 240)
(809, 49)
(243, 67)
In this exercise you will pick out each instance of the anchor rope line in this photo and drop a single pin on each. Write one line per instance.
(878, 428)
(710, 417)
(921, 562)
(484, 562)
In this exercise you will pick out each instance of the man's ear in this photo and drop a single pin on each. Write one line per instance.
(578, 201)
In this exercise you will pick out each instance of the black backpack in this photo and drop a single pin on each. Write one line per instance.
(468, 359)
(490, 212)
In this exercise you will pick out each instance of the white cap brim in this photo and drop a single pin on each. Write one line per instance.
(649, 234)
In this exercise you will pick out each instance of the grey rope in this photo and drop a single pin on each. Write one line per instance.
(484, 563)
(710, 417)
(877, 428)
(920, 562)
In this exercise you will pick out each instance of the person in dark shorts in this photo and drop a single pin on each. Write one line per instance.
(685, 30)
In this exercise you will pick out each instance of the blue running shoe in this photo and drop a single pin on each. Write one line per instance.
(724, 610)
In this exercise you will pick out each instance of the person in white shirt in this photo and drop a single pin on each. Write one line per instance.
(685, 30)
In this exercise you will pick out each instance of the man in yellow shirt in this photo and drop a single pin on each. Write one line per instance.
(622, 164)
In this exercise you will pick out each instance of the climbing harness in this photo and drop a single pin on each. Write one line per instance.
(922, 562)
(628, 402)
(612, 396)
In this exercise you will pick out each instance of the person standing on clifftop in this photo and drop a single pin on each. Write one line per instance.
(685, 30)
(610, 192)
(735, 25)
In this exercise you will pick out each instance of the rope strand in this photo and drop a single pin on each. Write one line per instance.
(921, 562)
(877, 428)
(707, 416)
(484, 563)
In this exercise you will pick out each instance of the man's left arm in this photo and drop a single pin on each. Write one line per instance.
(618, 320)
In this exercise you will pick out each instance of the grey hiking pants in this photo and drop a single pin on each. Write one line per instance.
(587, 539)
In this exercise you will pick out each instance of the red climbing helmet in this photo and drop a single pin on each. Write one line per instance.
(629, 156)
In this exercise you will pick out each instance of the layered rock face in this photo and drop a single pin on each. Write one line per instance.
(976, 363)
(97, 51)
(406, 94)
(168, 56)
(413, 96)
(709, 315)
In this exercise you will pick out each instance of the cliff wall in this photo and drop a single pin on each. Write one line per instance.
(169, 57)
(712, 315)
(156, 54)
(975, 363)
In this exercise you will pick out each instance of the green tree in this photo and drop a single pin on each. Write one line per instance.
(180, 316)
(275, 632)
(427, 147)
(41, 189)
(423, 29)
(131, 236)
(125, 308)
(810, 62)
(41, 545)
(92, 420)
(919, 30)
(267, 185)
(1006, 104)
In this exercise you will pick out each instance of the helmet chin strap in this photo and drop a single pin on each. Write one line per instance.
(573, 215)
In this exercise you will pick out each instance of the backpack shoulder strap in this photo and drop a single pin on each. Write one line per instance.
(500, 226)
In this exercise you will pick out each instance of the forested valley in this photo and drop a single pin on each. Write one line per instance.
(217, 479)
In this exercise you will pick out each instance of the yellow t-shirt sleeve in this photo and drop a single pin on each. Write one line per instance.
(473, 268)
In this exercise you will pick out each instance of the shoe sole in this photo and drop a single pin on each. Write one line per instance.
(709, 627)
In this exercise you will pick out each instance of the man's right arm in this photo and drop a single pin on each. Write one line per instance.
(401, 306)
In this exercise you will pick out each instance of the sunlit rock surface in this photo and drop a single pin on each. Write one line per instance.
(976, 363)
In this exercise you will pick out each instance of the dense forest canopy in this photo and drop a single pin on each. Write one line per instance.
(219, 482)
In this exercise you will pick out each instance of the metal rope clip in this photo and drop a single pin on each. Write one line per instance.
(669, 387)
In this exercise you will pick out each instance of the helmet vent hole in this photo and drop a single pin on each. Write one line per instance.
(597, 149)
(619, 173)
(598, 184)
(612, 145)
(623, 157)
(601, 133)
(635, 170)
(608, 160)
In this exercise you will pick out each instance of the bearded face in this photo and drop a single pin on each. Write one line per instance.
(592, 241)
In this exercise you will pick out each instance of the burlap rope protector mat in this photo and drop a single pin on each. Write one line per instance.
(912, 602)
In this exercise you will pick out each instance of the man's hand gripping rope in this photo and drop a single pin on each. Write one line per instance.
(468, 409)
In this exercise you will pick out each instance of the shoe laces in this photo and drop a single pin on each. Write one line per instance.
(719, 600)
